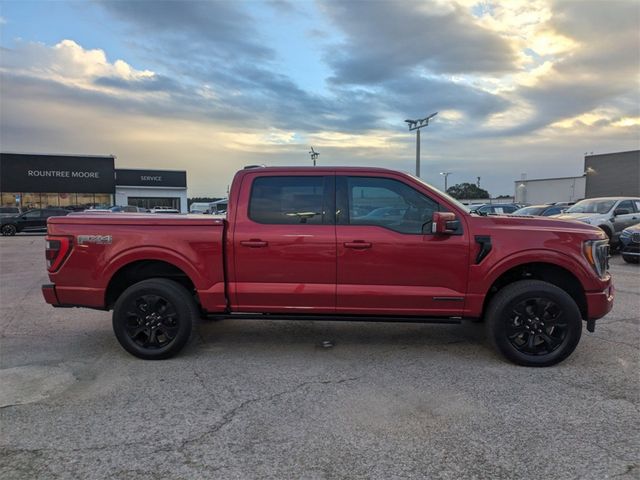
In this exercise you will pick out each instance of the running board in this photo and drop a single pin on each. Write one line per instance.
(328, 318)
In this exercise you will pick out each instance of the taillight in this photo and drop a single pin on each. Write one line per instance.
(57, 250)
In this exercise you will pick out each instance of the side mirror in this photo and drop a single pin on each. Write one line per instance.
(444, 223)
(621, 211)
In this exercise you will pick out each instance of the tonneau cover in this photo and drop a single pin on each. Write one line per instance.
(106, 218)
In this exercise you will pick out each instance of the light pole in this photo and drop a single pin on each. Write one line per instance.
(314, 156)
(446, 177)
(417, 125)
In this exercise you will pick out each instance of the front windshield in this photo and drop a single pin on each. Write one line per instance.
(461, 206)
(592, 206)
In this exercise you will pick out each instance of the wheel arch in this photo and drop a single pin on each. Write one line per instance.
(550, 272)
(144, 269)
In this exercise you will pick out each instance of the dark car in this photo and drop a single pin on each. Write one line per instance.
(31, 221)
(9, 211)
(541, 210)
(630, 244)
(495, 208)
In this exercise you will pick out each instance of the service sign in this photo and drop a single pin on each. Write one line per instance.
(56, 173)
(151, 178)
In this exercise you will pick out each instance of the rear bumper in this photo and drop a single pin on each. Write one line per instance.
(600, 303)
(49, 294)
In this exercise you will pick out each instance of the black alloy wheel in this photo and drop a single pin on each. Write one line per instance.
(153, 319)
(534, 323)
(536, 326)
(8, 230)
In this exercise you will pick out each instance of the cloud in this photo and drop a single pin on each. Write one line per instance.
(520, 86)
(385, 40)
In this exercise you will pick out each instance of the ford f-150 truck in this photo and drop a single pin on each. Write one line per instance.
(334, 244)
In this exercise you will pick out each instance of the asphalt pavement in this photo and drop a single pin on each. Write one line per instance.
(265, 399)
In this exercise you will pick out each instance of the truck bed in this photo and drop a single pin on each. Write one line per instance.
(107, 247)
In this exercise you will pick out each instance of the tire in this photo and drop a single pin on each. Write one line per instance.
(153, 319)
(8, 230)
(516, 324)
(630, 258)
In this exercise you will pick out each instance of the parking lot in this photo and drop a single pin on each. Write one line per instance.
(264, 399)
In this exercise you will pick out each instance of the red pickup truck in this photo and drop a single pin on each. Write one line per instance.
(334, 243)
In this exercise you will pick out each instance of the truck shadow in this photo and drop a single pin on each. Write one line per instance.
(304, 332)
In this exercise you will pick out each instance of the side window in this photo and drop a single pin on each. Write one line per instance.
(33, 215)
(388, 203)
(627, 205)
(289, 200)
(637, 203)
(498, 209)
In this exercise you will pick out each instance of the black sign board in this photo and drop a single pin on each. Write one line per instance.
(56, 173)
(151, 178)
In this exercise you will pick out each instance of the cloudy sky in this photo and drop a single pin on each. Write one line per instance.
(520, 86)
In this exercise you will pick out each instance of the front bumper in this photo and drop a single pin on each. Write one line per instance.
(631, 249)
(600, 303)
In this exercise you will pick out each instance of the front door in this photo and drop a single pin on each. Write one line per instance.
(389, 262)
(31, 221)
(284, 244)
(620, 222)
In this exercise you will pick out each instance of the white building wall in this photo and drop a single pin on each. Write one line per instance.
(548, 190)
(123, 194)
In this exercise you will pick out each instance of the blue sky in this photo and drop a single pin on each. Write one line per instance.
(521, 86)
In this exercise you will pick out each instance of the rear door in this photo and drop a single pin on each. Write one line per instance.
(284, 244)
(390, 264)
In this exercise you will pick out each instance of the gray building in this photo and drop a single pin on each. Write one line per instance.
(613, 174)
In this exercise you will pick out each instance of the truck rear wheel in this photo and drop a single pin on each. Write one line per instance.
(152, 319)
(534, 323)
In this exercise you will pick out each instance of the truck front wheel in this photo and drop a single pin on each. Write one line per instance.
(534, 323)
(152, 319)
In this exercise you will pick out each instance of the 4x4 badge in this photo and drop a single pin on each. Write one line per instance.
(97, 239)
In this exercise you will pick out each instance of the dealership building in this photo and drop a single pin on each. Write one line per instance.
(84, 181)
(604, 175)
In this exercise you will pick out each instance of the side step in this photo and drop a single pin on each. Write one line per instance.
(337, 317)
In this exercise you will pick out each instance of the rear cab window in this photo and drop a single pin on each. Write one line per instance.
(291, 200)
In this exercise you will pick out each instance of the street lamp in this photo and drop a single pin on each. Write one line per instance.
(314, 156)
(446, 176)
(417, 125)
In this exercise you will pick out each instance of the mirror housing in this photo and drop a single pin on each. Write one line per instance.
(621, 211)
(444, 223)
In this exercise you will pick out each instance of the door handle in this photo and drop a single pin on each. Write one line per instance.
(254, 243)
(358, 244)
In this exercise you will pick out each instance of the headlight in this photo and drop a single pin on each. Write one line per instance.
(626, 234)
(597, 254)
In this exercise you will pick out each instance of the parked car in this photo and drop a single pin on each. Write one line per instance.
(9, 211)
(611, 214)
(630, 244)
(540, 210)
(494, 208)
(30, 221)
(290, 249)
(164, 210)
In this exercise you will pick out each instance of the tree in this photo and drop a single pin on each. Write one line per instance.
(467, 191)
